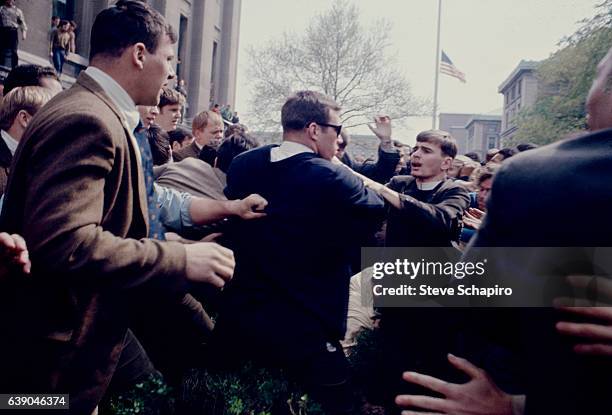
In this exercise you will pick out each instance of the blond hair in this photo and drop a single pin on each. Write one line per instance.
(201, 120)
(25, 98)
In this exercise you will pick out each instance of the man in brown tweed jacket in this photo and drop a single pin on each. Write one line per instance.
(77, 195)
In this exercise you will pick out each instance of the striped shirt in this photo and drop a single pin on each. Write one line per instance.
(12, 17)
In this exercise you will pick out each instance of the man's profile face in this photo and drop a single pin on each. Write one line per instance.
(148, 115)
(156, 72)
(427, 161)
(599, 100)
(169, 117)
(328, 139)
(483, 193)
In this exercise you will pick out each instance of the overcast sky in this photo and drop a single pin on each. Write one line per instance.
(485, 39)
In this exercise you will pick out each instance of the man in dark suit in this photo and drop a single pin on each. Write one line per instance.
(290, 297)
(534, 201)
(554, 196)
(77, 195)
(207, 128)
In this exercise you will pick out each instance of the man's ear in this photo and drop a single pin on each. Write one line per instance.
(23, 118)
(447, 163)
(313, 131)
(138, 52)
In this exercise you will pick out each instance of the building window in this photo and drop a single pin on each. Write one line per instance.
(492, 142)
(65, 9)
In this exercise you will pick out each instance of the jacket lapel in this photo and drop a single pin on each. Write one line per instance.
(88, 83)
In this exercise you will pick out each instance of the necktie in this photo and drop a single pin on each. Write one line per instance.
(156, 229)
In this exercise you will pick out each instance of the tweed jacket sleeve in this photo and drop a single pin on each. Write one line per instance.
(75, 198)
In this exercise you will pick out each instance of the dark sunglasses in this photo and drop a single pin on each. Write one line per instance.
(338, 128)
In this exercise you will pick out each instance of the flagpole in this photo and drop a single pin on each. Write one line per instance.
(437, 71)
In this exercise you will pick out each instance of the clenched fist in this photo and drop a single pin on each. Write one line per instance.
(209, 263)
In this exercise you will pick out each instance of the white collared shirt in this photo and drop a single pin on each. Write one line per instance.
(288, 149)
(118, 95)
(11, 143)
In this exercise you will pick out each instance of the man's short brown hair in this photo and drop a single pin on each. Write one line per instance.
(305, 107)
(201, 120)
(126, 23)
(442, 139)
(170, 96)
(26, 98)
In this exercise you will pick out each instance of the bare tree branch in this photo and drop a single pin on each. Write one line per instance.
(335, 55)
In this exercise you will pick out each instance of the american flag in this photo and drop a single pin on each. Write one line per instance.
(447, 68)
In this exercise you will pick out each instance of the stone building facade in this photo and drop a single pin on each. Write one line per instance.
(473, 132)
(520, 91)
(483, 134)
(207, 49)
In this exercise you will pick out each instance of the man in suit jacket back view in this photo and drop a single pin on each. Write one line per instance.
(289, 299)
(77, 195)
(559, 195)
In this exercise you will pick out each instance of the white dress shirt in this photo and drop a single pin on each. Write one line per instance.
(288, 149)
(11, 143)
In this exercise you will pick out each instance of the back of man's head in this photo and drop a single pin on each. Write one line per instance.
(170, 96)
(233, 129)
(126, 23)
(28, 75)
(28, 98)
(305, 107)
(232, 146)
(201, 120)
(180, 135)
(442, 139)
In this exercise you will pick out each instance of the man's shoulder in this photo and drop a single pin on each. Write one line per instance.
(190, 164)
(258, 154)
(559, 160)
(74, 111)
(77, 100)
(449, 185)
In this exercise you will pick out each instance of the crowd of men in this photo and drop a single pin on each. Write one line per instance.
(121, 230)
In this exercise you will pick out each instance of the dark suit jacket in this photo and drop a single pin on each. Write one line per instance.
(77, 195)
(381, 170)
(289, 294)
(5, 163)
(557, 196)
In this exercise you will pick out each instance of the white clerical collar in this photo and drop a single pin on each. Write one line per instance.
(428, 185)
(118, 95)
(11, 143)
(288, 149)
